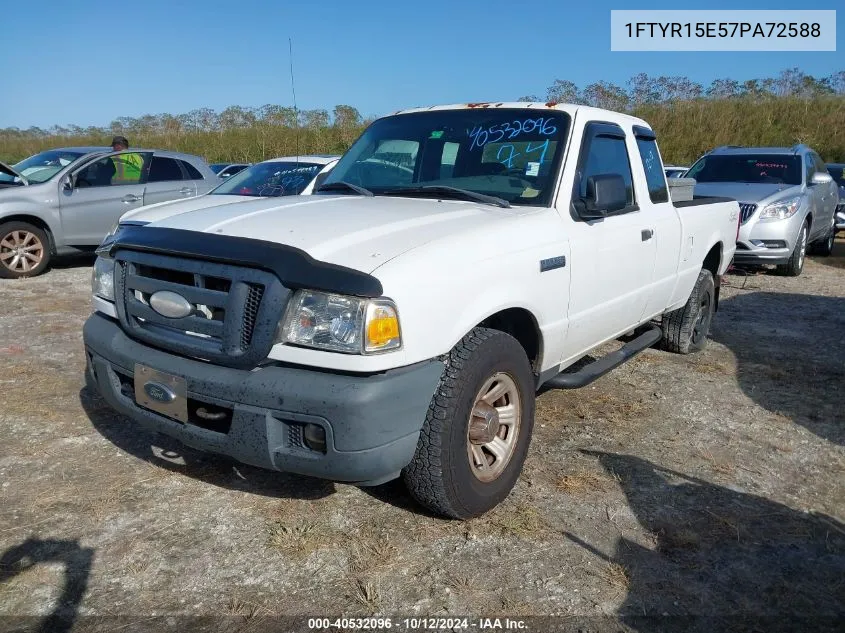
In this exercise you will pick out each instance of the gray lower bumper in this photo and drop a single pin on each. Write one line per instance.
(372, 422)
(762, 256)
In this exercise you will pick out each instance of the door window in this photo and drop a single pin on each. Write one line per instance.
(164, 170)
(119, 169)
(193, 172)
(607, 155)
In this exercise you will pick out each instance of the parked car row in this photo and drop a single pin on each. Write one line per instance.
(64, 201)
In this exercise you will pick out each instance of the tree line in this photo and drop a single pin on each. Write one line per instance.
(688, 117)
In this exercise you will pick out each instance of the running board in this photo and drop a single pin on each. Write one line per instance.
(603, 365)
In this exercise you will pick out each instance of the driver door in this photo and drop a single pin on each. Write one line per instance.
(94, 196)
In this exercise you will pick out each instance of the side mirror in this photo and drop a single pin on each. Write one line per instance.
(67, 184)
(605, 194)
(820, 178)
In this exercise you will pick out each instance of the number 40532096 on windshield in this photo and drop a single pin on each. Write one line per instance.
(511, 130)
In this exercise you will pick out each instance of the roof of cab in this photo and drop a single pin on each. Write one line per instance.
(570, 108)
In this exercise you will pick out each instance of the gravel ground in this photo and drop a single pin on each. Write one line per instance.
(706, 485)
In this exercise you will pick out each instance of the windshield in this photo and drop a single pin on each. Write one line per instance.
(218, 167)
(838, 173)
(752, 168)
(41, 167)
(270, 179)
(509, 153)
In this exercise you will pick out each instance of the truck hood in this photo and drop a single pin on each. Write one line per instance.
(746, 192)
(161, 210)
(357, 232)
(4, 168)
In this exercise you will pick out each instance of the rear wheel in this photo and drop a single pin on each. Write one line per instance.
(795, 265)
(685, 329)
(476, 434)
(24, 250)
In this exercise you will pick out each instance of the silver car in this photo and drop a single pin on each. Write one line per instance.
(64, 201)
(837, 172)
(787, 201)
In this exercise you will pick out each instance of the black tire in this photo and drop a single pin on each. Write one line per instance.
(10, 235)
(441, 476)
(795, 265)
(685, 329)
(824, 247)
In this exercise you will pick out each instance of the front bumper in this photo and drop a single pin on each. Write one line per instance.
(371, 422)
(767, 241)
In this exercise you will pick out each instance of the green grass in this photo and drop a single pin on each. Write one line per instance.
(685, 130)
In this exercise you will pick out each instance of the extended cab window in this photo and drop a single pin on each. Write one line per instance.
(654, 174)
(606, 155)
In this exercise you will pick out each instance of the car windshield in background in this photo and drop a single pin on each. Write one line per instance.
(41, 167)
(752, 168)
(218, 167)
(509, 153)
(838, 173)
(270, 179)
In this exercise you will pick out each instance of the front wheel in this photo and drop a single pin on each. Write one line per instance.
(24, 250)
(475, 437)
(795, 265)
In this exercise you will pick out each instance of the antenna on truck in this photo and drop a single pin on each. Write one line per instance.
(293, 91)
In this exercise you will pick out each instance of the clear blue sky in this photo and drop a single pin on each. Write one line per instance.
(90, 62)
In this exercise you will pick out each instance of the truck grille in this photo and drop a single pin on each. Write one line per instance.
(234, 310)
(746, 210)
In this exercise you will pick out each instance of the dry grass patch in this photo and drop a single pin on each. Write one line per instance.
(580, 483)
(616, 575)
(301, 538)
(367, 594)
(521, 521)
(369, 555)
(713, 366)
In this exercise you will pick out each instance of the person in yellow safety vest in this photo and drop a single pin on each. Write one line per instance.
(127, 167)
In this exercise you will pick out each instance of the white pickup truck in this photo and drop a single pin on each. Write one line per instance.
(399, 321)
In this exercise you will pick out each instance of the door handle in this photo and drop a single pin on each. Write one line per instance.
(646, 234)
(130, 198)
(186, 190)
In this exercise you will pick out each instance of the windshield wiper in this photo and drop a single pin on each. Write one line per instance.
(455, 192)
(343, 185)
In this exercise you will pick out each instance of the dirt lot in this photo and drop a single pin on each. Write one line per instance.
(702, 485)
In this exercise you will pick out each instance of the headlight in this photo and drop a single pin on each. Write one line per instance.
(340, 324)
(781, 209)
(102, 279)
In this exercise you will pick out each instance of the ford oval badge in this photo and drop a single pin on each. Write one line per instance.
(159, 392)
(170, 304)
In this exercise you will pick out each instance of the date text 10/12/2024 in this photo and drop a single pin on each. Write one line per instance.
(417, 624)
